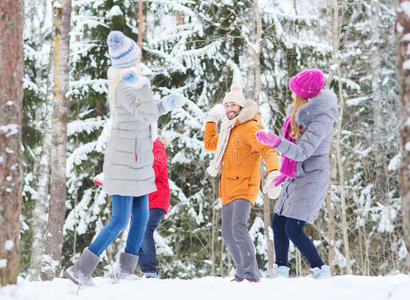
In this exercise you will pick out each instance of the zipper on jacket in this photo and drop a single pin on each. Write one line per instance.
(136, 150)
(281, 209)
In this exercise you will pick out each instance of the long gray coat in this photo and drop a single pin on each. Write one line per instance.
(302, 197)
(128, 159)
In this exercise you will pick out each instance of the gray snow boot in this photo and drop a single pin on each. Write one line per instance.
(128, 262)
(80, 273)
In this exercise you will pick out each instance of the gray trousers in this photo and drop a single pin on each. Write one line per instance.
(236, 236)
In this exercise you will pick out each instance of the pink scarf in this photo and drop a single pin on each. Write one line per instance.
(288, 167)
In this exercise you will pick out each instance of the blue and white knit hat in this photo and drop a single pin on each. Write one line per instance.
(123, 51)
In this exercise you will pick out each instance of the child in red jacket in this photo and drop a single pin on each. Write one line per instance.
(158, 207)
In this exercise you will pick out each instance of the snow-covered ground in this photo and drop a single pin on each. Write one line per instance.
(211, 288)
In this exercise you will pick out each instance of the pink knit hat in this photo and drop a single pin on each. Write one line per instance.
(308, 83)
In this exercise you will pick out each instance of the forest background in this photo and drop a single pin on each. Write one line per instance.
(191, 46)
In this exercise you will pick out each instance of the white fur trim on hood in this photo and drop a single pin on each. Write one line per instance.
(324, 103)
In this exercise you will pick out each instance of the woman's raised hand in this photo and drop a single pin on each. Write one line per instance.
(173, 101)
(267, 137)
(131, 77)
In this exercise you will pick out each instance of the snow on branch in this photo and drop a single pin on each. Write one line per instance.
(88, 125)
(168, 58)
(176, 5)
(79, 155)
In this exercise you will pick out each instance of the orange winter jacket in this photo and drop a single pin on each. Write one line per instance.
(240, 171)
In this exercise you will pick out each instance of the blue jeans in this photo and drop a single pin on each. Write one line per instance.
(122, 207)
(285, 228)
(147, 259)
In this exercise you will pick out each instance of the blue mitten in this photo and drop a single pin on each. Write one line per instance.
(172, 102)
(131, 77)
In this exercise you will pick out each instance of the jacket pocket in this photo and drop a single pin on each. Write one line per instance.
(143, 152)
(315, 163)
(236, 185)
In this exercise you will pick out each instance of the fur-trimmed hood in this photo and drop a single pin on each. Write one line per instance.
(324, 103)
(248, 112)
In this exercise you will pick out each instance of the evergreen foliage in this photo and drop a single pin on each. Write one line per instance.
(186, 47)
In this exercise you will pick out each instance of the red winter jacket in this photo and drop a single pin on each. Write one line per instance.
(160, 198)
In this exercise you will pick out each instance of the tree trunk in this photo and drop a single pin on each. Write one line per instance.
(221, 262)
(213, 226)
(140, 27)
(298, 259)
(331, 225)
(255, 83)
(377, 103)
(11, 107)
(40, 215)
(341, 178)
(295, 7)
(267, 221)
(40, 209)
(257, 51)
(376, 74)
(331, 233)
(336, 28)
(58, 191)
(402, 29)
(253, 72)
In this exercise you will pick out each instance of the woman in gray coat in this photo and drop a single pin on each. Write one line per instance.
(305, 146)
(128, 171)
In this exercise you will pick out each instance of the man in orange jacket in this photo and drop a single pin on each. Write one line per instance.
(237, 160)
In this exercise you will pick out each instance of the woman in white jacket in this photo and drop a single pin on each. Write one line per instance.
(128, 172)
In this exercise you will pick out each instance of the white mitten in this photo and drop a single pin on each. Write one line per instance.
(216, 113)
(172, 102)
(99, 179)
(130, 76)
(269, 188)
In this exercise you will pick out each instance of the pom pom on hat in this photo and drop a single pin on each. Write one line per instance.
(123, 51)
(308, 83)
(235, 95)
(236, 88)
